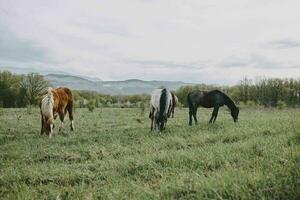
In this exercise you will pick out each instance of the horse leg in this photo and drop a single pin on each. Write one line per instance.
(70, 111)
(216, 110)
(190, 115)
(61, 117)
(213, 114)
(151, 124)
(195, 116)
(152, 119)
(151, 116)
(42, 128)
(156, 127)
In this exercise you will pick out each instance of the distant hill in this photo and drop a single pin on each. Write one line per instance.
(19, 70)
(133, 86)
(126, 87)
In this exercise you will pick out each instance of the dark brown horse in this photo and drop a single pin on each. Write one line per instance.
(213, 99)
(56, 102)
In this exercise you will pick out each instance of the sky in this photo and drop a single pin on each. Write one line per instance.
(196, 41)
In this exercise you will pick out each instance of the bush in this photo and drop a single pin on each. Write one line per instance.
(91, 106)
(251, 103)
(281, 104)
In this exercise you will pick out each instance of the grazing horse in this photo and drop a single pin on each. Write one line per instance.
(174, 102)
(56, 102)
(213, 99)
(160, 108)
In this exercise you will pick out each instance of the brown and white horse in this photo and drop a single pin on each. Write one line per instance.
(57, 101)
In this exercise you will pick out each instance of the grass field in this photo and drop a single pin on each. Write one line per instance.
(113, 155)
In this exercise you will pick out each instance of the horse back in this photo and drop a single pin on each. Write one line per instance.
(205, 99)
(63, 97)
(156, 96)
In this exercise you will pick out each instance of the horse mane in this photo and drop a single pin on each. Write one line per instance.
(47, 105)
(230, 104)
(162, 104)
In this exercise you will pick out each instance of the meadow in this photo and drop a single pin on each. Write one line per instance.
(113, 155)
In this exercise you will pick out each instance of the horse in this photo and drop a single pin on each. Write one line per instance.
(55, 102)
(160, 108)
(212, 99)
(174, 103)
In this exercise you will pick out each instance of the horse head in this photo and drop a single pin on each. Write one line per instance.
(235, 114)
(49, 125)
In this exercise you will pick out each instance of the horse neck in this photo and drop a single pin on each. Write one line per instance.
(229, 103)
(55, 99)
(47, 105)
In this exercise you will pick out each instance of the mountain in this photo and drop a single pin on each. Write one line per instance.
(126, 87)
(18, 70)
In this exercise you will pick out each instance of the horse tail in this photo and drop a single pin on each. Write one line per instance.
(70, 103)
(162, 105)
(190, 103)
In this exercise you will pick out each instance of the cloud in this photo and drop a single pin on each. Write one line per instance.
(255, 61)
(201, 41)
(22, 52)
(169, 64)
(283, 44)
(16, 49)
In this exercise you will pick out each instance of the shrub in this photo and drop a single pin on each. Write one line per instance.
(91, 106)
(281, 104)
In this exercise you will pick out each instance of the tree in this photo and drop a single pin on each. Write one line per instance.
(9, 89)
(31, 87)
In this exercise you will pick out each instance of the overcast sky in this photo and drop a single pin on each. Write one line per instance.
(210, 41)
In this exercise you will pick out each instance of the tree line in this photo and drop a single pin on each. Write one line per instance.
(23, 90)
(26, 90)
(266, 92)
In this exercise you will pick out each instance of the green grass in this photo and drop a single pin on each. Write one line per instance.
(113, 155)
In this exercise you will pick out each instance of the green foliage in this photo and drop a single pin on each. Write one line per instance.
(20, 91)
(91, 106)
(281, 104)
(143, 107)
(268, 92)
(9, 89)
(115, 156)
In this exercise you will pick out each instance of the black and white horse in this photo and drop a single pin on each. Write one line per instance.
(160, 108)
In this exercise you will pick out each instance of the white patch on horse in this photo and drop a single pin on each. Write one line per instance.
(72, 124)
(51, 130)
(47, 104)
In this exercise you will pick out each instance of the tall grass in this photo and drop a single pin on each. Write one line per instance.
(113, 155)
